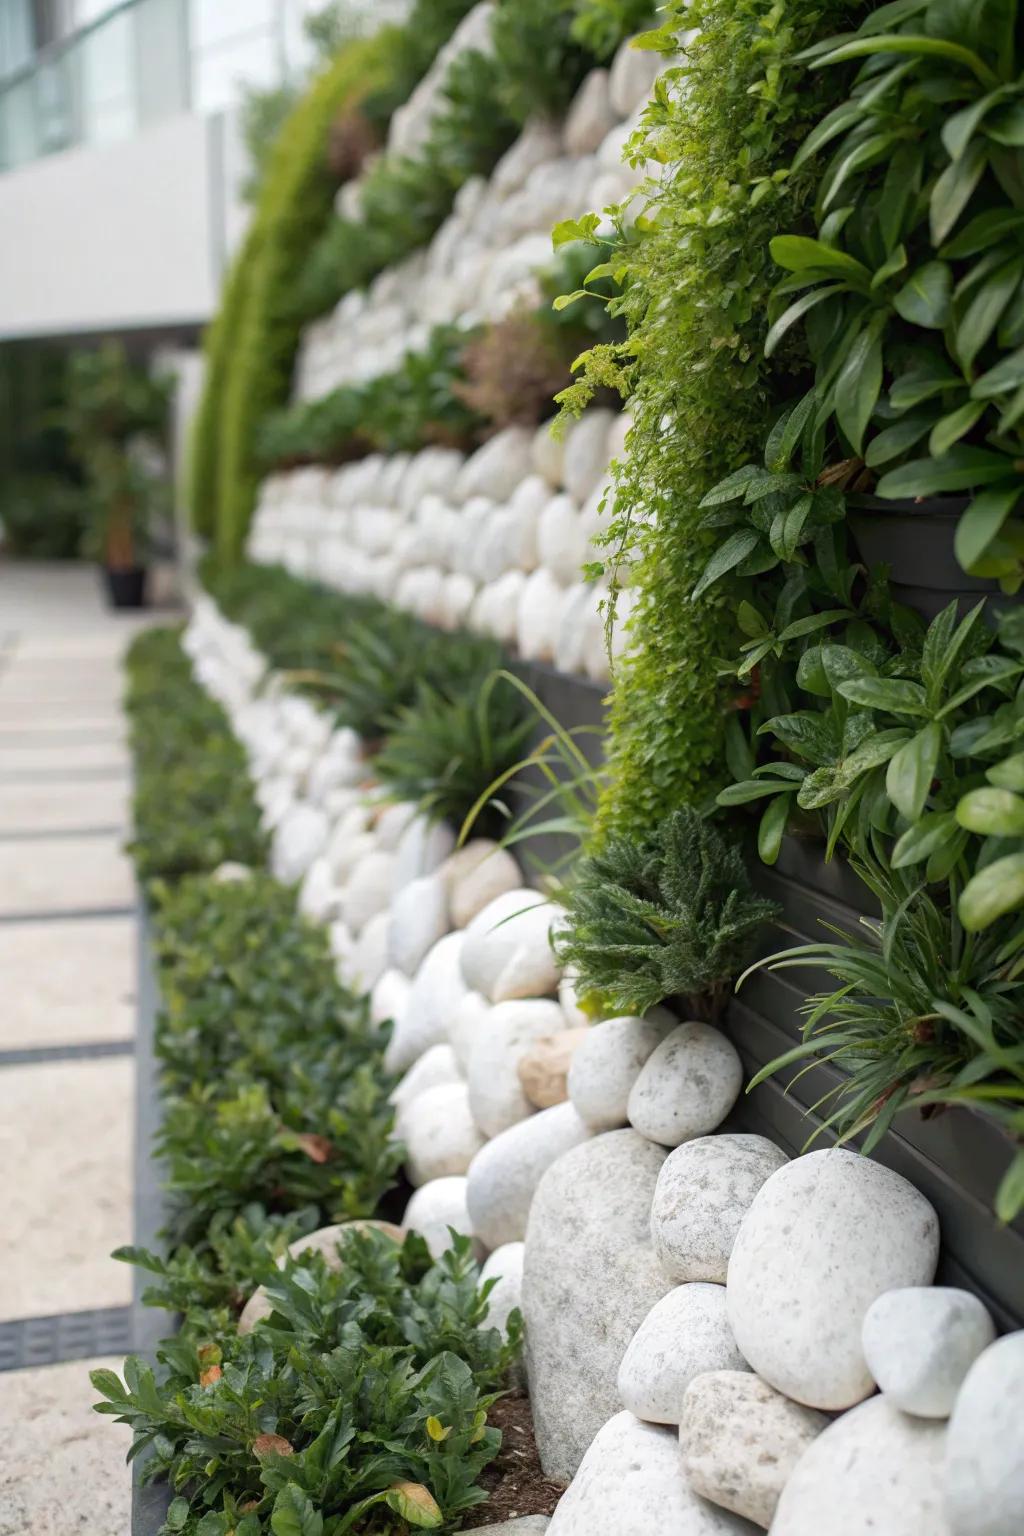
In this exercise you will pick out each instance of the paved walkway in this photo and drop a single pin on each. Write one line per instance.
(67, 983)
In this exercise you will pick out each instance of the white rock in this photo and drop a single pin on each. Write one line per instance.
(589, 1280)
(469, 1016)
(318, 895)
(874, 1472)
(825, 1235)
(231, 873)
(504, 1175)
(580, 628)
(628, 1484)
(495, 1092)
(586, 453)
(390, 822)
(419, 917)
(508, 953)
(562, 540)
(390, 996)
(368, 890)
(548, 456)
(497, 468)
(618, 432)
(590, 116)
(434, 1208)
(984, 1471)
(423, 847)
(539, 142)
(299, 838)
(632, 77)
(687, 1086)
(439, 1132)
(477, 875)
(342, 943)
(537, 616)
(608, 1063)
(369, 958)
(575, 1017)
(704, 1191)
(457, 594)
(685, 1333)
(505, 596)
(505, 1267)
(436, 992)
(920, 1342)
(434, 1067)
(344, 856)
(739, 1441)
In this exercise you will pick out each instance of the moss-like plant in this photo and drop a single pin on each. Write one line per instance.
(671, 914)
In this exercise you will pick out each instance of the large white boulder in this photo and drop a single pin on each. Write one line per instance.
(319, 897)
(502, 1039)
(562, 540)
(423, 847)
(825, 1236)
(687, 1086)
(548, 456)
(873, 1472)
(629, 1484)
(504, 1174)
(507, 953)
(537, 616)
(704, 1191)
(434, 1067)
(434, 1208)
(607, 1064)
(419, 918)
(389, 997)
(589, 1280)
(437, 989)
(921, 1341)
(739, 1441)
(685, 1333)
(984, 1471)
(369, 958)
(441, 1137)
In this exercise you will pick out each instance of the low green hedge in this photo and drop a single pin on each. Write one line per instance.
(193, 802)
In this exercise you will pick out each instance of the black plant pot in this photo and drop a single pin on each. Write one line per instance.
(126, 588)
(915, 540)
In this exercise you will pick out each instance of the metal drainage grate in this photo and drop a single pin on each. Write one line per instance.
(32, 1341)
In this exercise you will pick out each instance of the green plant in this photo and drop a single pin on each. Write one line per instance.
(272, 1077)
(115, 417)
(43, 516)
(601, 25)
(924, 1015)
(447, 746)
(670, 914)
(913, 291)
(695, 278)
(193, 804)
(362, 1398)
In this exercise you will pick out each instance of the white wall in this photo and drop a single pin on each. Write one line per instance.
(127, 235)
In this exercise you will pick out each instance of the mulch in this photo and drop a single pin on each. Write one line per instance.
(514, 1481)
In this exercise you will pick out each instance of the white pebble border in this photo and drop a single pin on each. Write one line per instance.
(727, 1404)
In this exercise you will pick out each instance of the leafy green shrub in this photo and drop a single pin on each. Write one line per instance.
(193, 803)
(43, 516)
(696, 282)
(362, 1398)
(274, 1089)
(670, 914)
(601, 25)
(912, 294)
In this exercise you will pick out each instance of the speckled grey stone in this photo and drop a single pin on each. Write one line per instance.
(685, 1333)
(873, 1472)
(590, 1278)
(630, 1484)
(687, 1086)
(920, 1342)
(984, 1473)
(704, 1191)
(739, 1441)
(825, 1235)
(504, 1174)
(608, 1063)
(526, 1525)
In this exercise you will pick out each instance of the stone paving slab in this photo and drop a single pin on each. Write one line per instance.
(71, 758)
(63, 874)
(66, 1142)
(57, 807)
(62, 1469)
(67, 982)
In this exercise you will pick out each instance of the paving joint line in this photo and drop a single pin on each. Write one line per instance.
(86, 1050)
(68, 775)
(66, 914)
(34, 834)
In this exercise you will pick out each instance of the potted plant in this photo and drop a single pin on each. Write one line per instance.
(115, 416)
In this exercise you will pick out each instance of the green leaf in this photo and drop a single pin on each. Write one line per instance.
(570, 230)
(1006, 375)
(948, 430)
(1009, 774)
(919, 47)
(1010, 1194)
(799, 253)
(893, 695)
(908, 780)
(859, 385)
(177, 1514)
(992, 812)
(963, 468)
(895, 262)
(930, 377)
(895, 440)
(921, 840)
(416, 1504)
(952, 191)
(771, 828)
(958, 130)
(981, 522)
(924, 298)
(983, 313)
(735, 549)
(731, 488)
(796, 311)
(565, 299)
(838, 120)
(982, 233)
(996, 889)
(294, 1514)
(787, 431)
(1007, 126)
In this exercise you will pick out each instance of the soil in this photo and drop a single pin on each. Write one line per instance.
(514, 1481)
